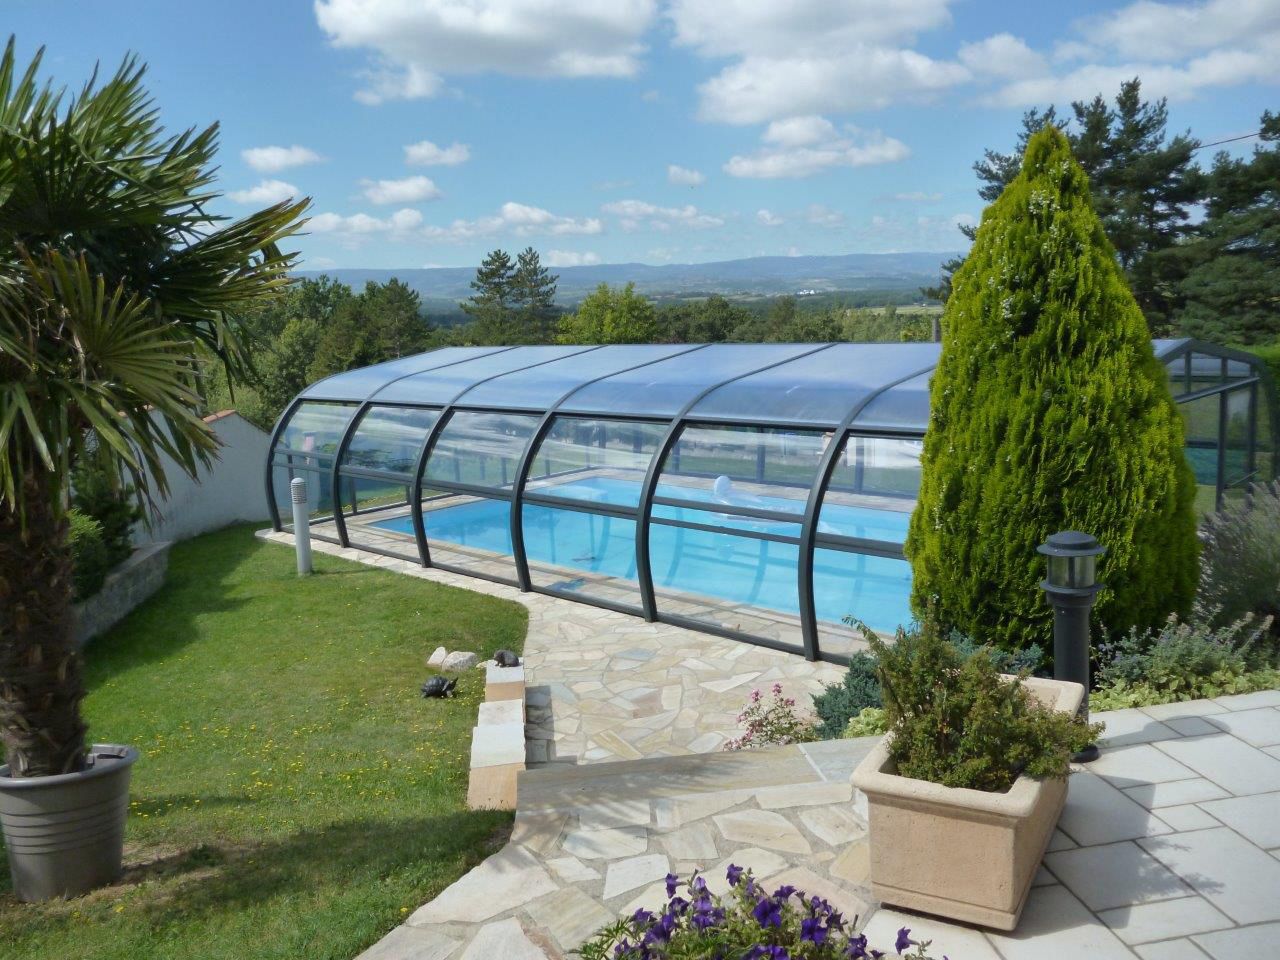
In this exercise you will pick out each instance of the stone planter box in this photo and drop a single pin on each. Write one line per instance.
(958, 853)
(126, 587)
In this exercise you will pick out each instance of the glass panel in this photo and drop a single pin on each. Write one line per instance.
(1237, 442)
(581, 553)
(1264, 458)
(703, 457)
(376, 513)
(390, 438)
(317, 428)
(1201, 419)
(663, 388)
(819, 388)
(1238, 370)
(599, 461)
(362, 383)
(483, 449)
(735, 583)
(1206, 371)
(462, 531)
(319, 494)
(905, 406)
(443, 385)
(539, 388)
(871, 467)
(875, 590)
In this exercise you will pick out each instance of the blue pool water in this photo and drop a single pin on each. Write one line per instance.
(737, 569)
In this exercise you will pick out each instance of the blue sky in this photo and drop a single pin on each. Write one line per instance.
(431, 131)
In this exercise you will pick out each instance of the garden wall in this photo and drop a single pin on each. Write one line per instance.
(126, 586)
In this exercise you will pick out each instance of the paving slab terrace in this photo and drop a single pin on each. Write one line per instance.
(1168, 848)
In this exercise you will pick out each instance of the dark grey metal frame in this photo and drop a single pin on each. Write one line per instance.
(809, 539)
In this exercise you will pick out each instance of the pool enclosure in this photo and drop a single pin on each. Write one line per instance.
(756, 491)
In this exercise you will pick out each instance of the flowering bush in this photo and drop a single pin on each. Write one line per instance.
(747, 923)
(771, 722)
(870, 722)
(1185, 660)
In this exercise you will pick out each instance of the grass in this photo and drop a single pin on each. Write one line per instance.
(296, 797)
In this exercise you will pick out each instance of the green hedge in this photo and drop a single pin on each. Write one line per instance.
(1049, 412)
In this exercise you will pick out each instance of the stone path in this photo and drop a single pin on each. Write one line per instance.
(1168, 848)
(606, 686)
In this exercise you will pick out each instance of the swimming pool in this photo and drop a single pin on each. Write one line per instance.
(737, 569)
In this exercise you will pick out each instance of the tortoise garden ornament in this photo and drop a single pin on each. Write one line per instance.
(505, 658)
(439, 687)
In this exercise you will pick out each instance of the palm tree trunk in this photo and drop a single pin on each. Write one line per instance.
(41, 676)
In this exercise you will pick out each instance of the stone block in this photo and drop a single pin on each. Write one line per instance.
(501, 711)
(493, 788)
(497, 744)
(504, 683)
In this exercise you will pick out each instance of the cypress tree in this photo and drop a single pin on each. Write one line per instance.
(1049, 411)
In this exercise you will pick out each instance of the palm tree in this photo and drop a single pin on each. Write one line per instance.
(117, 289)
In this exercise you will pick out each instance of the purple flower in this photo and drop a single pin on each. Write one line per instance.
(784, 891)
(858, 947)
(763, 952)
(734, 874)
(812, 930)
(698, 885)
(672, 882)
(642, 916)
(903, 941)
(768, 913)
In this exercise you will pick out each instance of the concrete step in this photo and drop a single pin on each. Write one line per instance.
(560, 785)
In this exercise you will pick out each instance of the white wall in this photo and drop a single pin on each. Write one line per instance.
(229, 490)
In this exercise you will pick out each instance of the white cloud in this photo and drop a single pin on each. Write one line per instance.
(822, 216)
(769, 219)
(265, 191)
(811, 56)
(515, 219)
(650, 96)
(275, 159)
(634, 214)
(795, 160)
(964, 220)
(799, 131)
(1179, 50)
(1169, 31)
(356, 229)
(917, 196)
(1002, 55)
(407, 190)
(758, 89)
(685, 177)
(414, 45)
(424, 153)
(720, 28)
(569, 258)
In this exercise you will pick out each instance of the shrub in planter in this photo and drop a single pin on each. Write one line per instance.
(89, 561)
(747, 923)
(841, 705)
(964, 790)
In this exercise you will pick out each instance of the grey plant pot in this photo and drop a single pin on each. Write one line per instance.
(65, 834)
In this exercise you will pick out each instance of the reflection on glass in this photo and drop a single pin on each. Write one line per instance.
(482, 449)
(317, 428)
(389, 438)
(878, 466)
(595, 460)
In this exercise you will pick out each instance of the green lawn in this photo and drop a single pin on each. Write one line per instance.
(296, 796)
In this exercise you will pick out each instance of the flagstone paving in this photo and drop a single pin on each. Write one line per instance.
(1168, 847)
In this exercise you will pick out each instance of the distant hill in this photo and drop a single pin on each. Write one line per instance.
(755, 276)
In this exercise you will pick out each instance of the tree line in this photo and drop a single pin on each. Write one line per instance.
(1200, 248)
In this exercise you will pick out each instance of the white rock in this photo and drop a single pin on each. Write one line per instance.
(459, 661)
(486, 664)
(437, 658)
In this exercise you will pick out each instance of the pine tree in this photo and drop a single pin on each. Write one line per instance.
(395, 313)
(1232, 290)
(533, 296)
(490, 306)
(1049, 412)
(1143, 184)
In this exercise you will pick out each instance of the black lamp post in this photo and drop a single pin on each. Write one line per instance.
(1071, 588)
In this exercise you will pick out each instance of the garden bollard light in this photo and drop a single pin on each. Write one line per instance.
(1071, 588)
(301, 525)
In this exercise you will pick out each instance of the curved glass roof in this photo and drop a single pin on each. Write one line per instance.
(881, 385)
